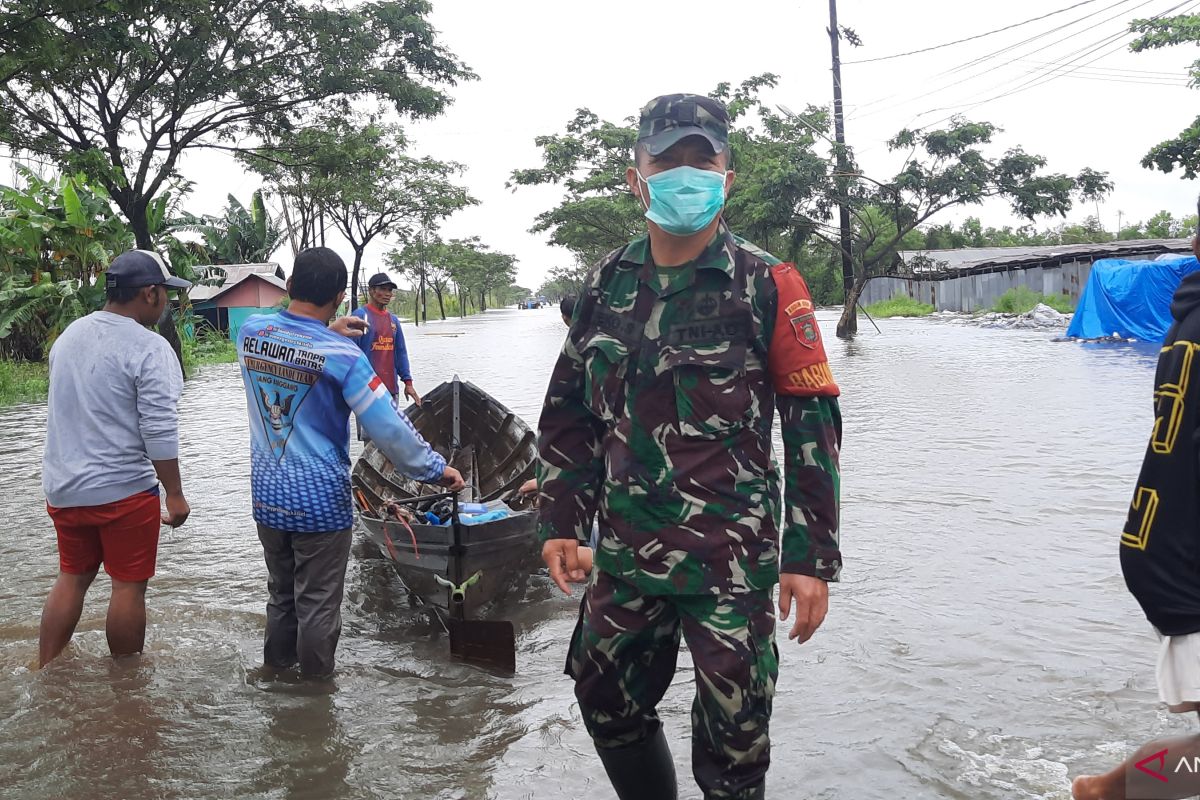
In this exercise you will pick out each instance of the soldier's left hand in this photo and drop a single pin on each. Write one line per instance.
(811, 597)
(350, 326)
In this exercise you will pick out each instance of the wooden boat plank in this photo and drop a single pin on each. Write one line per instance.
(499, 451)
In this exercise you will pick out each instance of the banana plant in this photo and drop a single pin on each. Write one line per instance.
(64, 226)
(32, 315)
(241, 235)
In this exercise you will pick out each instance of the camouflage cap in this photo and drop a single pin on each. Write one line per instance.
(667, 119)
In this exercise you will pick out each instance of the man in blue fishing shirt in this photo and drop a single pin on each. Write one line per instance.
(302, 381)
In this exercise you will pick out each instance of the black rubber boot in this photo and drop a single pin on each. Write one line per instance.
(641, 771)
(757, 793)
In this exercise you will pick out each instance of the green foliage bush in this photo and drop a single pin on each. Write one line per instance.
(23, 382)
(1022, 300)
(900, 306)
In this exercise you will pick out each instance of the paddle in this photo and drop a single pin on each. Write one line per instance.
(489, 643)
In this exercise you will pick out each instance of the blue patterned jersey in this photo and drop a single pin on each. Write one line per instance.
(302, 381)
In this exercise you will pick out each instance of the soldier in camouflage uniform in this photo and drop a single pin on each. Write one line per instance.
(657, 422)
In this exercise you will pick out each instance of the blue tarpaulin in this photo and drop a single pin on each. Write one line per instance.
(1131, 299)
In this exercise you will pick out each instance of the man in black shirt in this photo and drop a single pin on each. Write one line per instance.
(1160, 559)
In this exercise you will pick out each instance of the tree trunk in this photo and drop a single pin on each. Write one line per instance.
(291, 228)
(358, 254)
(441, 305)
(141, 227)
(136, 214)
(421, 292)
(847, 326)
(417, 307)
(482, 301)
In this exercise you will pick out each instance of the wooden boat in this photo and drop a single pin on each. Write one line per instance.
(495, 451)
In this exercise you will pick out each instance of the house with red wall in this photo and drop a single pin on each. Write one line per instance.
(229, 293)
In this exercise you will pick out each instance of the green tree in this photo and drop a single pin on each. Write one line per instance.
(1090, 231)
(121, 91)
(880, 238)
(56, 237)
(422, 262)
(565, 281)
(588, 161)
(779, 176)
(1163, 225)
(304, 168)
(64, 226)
(944, 169)
(365, 184)
(467, 266)
(787, 191)
(480, 272)
(239, 236)
(32, 315)
(1183, 150)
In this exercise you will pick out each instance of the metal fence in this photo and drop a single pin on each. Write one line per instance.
(979, 291)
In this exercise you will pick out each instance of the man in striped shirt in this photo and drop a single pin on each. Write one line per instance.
(302, 381)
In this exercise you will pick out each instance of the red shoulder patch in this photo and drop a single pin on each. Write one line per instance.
(796, 358)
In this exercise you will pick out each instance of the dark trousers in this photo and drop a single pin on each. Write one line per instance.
(306, 574)
(622, 657)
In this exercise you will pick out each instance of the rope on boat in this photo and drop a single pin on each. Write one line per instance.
(387, 536)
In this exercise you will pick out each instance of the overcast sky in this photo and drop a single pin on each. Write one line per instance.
(540, 60)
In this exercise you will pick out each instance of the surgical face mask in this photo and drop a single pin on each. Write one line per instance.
(684, 200)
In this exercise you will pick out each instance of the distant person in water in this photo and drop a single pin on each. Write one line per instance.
(112, 436)
(566, 307)
(384, 340)
(1160, 551)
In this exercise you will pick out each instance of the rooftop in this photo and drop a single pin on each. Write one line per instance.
(216, 279)
(985, 259)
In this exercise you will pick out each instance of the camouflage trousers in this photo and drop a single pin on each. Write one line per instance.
(622, 658)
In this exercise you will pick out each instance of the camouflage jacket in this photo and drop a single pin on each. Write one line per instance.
(658, 421)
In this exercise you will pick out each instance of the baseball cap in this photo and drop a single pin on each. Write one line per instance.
(380, 279)
(135, 268)
(671, 117)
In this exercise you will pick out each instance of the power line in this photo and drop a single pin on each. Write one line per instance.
(1063, 67)
(959, 68)
(971, 38)
(1149, 74)
(1118, 79)
(1123, 70)
(1058, 71)
(1005, 50)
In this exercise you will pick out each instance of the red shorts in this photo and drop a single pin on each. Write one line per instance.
(122, 535)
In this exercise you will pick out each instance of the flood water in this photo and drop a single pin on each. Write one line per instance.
(980, 645)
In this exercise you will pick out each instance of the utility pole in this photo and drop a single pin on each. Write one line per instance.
(849, 323)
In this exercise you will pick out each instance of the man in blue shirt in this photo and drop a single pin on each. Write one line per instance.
(384, 341)
(302, 381)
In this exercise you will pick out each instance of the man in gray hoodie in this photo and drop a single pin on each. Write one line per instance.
(112, 435)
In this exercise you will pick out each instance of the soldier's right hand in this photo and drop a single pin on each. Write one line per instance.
(452, 479)
(562, 558)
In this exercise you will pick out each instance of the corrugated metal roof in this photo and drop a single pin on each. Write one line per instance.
(233, 275)
(983, 259)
